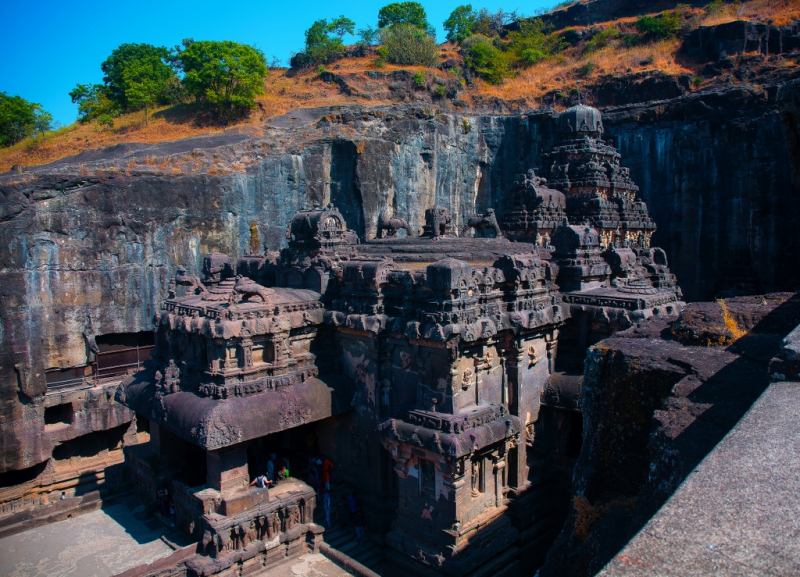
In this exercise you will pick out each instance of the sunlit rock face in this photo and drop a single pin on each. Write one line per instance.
(88, 245)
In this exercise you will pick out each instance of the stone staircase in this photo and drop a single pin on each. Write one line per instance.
(343, 539)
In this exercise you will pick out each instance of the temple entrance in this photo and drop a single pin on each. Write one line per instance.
(293, 447)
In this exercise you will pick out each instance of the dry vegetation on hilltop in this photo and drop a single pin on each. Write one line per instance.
(286, 90)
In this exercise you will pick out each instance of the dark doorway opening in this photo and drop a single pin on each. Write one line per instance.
(58, 414)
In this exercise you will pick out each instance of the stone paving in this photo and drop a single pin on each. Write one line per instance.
(99, 544)
(736, 515)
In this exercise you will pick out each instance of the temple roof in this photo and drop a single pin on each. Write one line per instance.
(581, 118)
(213, 423)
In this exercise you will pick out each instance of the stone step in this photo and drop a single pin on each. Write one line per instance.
(343, 539)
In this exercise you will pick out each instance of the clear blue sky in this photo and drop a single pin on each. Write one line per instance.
(47, 46)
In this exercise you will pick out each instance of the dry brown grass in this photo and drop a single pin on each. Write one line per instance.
(286, 90)
(778, 12)
(562, 73)
(81, 137)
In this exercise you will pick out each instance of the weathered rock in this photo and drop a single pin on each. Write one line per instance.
(653, 407)
(93, 239)
(715, 43)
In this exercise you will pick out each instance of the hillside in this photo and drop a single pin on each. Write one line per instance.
(762, 38)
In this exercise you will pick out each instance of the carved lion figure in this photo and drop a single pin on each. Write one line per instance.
(391, 225)
(482, 223)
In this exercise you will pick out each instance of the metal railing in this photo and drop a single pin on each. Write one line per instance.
(126, 361)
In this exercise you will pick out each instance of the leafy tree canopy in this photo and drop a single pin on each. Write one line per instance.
(94, 101)
(17, 118)
(227, 75)
(143, 87)
(132, 55)
(403, 13)
(321, 48)
(460, 23)
(341, 26)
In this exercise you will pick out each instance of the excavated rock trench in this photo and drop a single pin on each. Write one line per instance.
(87, 246)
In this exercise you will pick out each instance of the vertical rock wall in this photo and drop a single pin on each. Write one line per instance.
(93, 240)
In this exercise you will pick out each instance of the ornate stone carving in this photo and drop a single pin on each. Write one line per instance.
(483, 223)
(390, 226)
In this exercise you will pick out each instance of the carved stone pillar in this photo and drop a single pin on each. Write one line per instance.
(227, 468)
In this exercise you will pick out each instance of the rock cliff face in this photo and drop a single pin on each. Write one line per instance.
(656, 399)
(87, 244)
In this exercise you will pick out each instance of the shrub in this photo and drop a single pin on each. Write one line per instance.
(321, 69)
(407, 44)
(439, 90)
(601, 40)
(534, 42)
(662, 26)
(418, 79)
(586, 69)
(488, 61)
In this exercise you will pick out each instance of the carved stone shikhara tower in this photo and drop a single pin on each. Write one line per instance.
(435, 369)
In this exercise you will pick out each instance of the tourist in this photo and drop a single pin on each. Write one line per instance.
(326, 506)
(358, 523)
(327, 465)
(63, 496)
(261, 482)
(172, 513)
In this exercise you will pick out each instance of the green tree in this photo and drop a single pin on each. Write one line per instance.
(94, 101)
(460, 23)
(227, 75)
(493, 24)
(341, 26)
(407, 44)
(142, 84)
(130, 55)
(403, 13)
(17, 118)
(369, 36)
(321, 48)
(43, 121)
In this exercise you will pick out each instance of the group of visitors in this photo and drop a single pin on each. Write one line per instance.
(270, 471)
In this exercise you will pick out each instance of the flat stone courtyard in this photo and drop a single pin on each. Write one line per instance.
(98, 544)
(110, 541)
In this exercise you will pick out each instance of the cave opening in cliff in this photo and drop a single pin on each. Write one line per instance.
(345, 192)
(58, 414)
(91, 445)
(11, 478)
